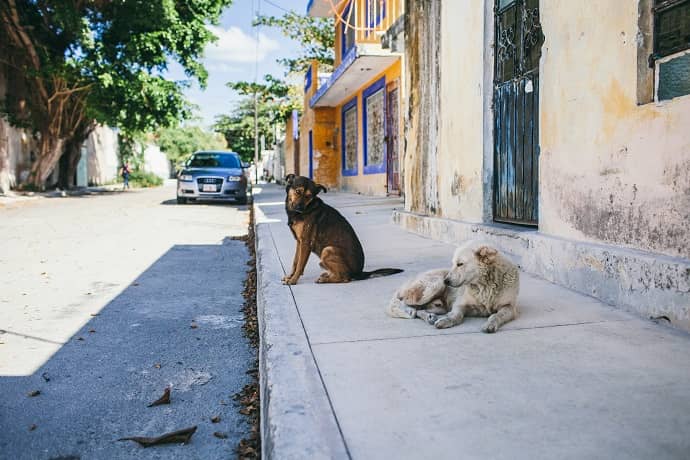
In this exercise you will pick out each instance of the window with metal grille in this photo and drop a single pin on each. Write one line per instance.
(671, 27)
(671, 45)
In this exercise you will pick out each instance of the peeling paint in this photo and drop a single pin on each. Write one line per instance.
(422, 44)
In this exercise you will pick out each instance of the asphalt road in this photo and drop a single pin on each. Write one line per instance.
(104, 301)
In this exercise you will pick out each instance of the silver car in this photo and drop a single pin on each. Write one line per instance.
(213, 175)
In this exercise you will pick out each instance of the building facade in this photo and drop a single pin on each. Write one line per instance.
(350, 132)
(559, 131)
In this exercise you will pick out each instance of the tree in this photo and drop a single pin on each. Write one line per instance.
(315, 35)
(274, 101)
(179, 143)
(81, 62)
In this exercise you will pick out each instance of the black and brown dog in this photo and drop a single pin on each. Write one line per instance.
(320, 229)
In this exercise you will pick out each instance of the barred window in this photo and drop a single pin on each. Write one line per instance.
(671, 53)
(671, 27)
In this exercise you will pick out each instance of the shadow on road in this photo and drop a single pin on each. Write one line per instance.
(179, 323)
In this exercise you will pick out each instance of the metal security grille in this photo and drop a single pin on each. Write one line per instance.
(518, 40)
(671, 27)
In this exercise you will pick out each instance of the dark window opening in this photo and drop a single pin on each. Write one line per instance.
(671, 39)
(671, 27)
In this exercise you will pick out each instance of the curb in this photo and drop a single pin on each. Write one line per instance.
(297, 419)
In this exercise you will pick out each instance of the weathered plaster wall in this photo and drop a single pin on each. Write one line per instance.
(422, 86)
(368, 184)
(460, 148)
(15, 147)
(610, 171)
(102, 162)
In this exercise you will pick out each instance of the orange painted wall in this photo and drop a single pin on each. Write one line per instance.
(321, 121)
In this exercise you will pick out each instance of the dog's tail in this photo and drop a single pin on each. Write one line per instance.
(377, 273)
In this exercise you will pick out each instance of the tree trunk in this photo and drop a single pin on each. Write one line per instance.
(72, 154)
(4, 160)
(50, 150)
(68, 163)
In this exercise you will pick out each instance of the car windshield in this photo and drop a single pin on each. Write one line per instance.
(214, 160)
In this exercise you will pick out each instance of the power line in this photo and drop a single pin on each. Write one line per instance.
(277, 6)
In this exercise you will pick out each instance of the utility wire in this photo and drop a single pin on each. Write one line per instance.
(277, 6)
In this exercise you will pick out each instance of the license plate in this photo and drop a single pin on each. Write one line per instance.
(208, 188)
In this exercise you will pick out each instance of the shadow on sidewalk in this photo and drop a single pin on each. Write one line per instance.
(179, 323)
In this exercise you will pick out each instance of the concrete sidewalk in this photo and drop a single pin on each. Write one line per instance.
(571, 378)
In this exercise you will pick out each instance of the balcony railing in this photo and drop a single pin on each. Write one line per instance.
(365, 21)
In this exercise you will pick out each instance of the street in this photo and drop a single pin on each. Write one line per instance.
(106, 300)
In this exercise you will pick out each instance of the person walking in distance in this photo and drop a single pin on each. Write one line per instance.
(125, 172)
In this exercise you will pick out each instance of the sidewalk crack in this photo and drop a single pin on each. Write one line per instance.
(503, 331)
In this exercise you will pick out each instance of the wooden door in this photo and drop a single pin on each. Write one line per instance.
(518, 43)
(392, 137)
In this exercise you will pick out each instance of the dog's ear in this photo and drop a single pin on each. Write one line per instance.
(485, 254)
(321, 188)
(289, 179)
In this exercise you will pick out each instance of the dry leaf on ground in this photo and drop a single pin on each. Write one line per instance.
(165, 399)
(182, 436)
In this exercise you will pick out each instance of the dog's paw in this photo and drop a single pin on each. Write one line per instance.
(490, 327)
(290, 281)
(443, 322)
(430, 318)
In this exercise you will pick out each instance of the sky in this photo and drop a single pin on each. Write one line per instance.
(233, 57)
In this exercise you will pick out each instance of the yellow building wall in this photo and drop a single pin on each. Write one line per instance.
(368, 184)
(610, 170)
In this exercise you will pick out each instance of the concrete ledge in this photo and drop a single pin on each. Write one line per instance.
(651, 285)
(297, 420)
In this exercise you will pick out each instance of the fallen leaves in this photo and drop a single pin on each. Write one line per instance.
(220, 435)
(32, 427)
(215, 419)
(182, 436)
(33, 393)
(250, 447)
(157, 365)
(165, 399)
(193, 325)
(45, 377)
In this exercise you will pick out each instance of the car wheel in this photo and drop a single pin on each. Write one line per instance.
(181, 200)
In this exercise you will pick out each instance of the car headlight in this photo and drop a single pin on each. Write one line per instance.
(234, 178)
(186, 177)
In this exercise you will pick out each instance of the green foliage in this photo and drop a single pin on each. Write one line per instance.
(315, 35)
(179, 143)
(139, 178)
(276, 98)
(75, 62)
(238, 126)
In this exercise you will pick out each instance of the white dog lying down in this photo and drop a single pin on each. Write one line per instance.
(481, 282)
